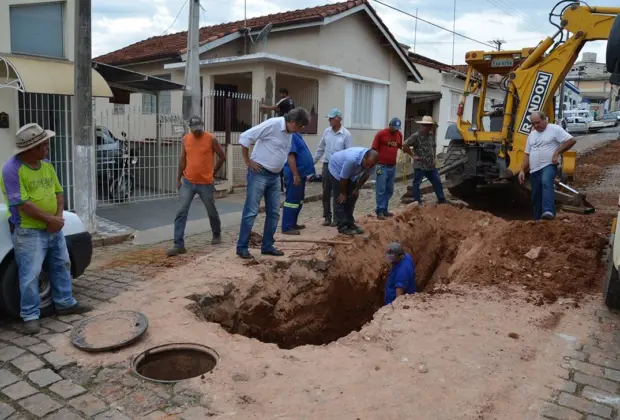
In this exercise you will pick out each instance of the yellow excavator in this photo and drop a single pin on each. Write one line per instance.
(530, 77)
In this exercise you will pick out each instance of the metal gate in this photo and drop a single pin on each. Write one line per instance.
(53, 112)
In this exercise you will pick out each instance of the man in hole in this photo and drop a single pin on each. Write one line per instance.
(401, 279)
(349, 169)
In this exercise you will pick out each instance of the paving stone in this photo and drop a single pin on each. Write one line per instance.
(587, 368)
(64, 414)
(142, 401)
(27, 363)
(57, 326)
(88, 405)
(103, 296)
(7, 378)
(600, 383)
(9, 353)
(8, 335)
(594, 418)
(40, 405)
(155, 415)
(112, 415)
(25, 341)
(5, 411)
(17, 416)
(79, 375)
(584, 405)
(67, 389)
(598, 360)
(42, 331)
(41, 348)
(51, 337)
(557, 412)
(612, 374)
(600, 396)
(44, 377)
(19, 390)
(195, 413)
(570, 387)
(58, 360)
(70, 318)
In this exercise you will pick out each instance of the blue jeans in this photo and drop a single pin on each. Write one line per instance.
(386, 174)
(187, 192)
(35, 249)
(543, 195)
(260, 184)
(293, 202)
(433, 176)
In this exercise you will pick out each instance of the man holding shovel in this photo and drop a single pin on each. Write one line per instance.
(424, 159)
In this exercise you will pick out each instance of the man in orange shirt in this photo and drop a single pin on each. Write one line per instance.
(197, 169)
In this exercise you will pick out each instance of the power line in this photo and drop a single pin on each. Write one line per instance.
(175, 19)
(502, 6)
(498, 43)
(432, 24)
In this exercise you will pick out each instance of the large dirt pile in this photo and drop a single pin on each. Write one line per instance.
(326, 295)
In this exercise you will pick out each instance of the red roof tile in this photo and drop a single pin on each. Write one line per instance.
(428, 62)
(172, 45)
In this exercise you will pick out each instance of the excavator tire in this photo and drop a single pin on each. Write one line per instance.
(464, 187)
(612, 284)
(613, 50)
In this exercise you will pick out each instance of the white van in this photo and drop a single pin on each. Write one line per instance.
(580, 120)
(79, 244)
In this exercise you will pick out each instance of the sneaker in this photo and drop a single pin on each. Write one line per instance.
(275, 252)
(173, 252)
(217, 239)
(245, 254)
(300, 227)
(327, 222)
(388, 214)
(76, 309)
(292, 232)
(348, 232)
(380, 216)
(32, 327)
(548, 215)
(358, 230)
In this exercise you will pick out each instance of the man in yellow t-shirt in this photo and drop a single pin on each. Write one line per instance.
(36, 204)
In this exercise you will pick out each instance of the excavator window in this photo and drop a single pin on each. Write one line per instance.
(613, 52)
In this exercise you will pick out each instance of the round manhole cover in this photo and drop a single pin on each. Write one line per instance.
(109, 331)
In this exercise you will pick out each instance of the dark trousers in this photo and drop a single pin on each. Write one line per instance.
(327, 192)
(343, 212)
(293, 202)
(282, 180)
(433, 176)
(543, 193)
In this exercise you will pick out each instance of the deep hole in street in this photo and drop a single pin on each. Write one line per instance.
(175, 363)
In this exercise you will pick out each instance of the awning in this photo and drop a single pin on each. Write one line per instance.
(132, 81)
(44, 75)
(419, 97)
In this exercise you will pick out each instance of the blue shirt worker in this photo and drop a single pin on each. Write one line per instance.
(349, 169)
(401, 279)
(299, 166)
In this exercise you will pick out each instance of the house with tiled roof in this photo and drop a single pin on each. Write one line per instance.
(340, 55)
(438, 95)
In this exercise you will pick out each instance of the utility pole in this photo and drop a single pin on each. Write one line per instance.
(415, 31)
(83, 133)
(498, 43)
(191, 94)
(453, 31)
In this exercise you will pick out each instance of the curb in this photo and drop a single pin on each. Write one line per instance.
(101, 241)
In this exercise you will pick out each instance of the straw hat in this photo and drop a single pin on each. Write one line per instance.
(30, 136)
(427, 119)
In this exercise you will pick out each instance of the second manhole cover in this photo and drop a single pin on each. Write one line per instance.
(109, 331)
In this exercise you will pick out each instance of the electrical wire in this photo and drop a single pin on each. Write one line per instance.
(505, 8)
(432, 24)
(175, 19)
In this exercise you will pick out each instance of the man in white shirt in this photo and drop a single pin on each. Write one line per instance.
(272, 139)
(335, 138)
(545, 145)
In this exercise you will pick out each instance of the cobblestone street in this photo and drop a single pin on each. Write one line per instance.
(38, 382)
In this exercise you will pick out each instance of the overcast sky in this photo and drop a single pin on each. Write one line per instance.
(118, 23)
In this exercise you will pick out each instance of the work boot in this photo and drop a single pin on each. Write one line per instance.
(380, 216)
(388, 214)
(31, 327)
(348, 232)
(292, 232)
(327, 222)
(548, 215)
(300, 227)
(217, 239)
(173, 252)
(245, 254)
(358, 230)
(274, 252)
(76, 309)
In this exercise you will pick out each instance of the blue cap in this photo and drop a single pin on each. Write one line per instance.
(334, 113)
(395, 123)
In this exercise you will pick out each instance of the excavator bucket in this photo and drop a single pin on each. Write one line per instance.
(571, 200)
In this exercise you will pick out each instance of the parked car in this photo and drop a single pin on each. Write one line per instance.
(612, 117)
(580, 120)
(79, 244)
(114, 162)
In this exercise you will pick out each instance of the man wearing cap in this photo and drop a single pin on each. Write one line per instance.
(401, 279)
(273, 139)
(387, 142)
(298, 167)
(349, 169)
(334, 139)
(197, 169)
(424, 159)
(35, 198)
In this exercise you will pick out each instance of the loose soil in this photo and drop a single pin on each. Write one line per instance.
(597, 174)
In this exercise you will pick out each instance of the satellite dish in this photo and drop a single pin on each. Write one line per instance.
(264, 33)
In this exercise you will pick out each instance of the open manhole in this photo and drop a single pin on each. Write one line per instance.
(175, 362)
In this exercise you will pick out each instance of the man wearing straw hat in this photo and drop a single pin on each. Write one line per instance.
(35, 198)
(424, 159)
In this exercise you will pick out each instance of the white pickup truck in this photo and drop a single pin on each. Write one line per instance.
(79, 244)
(580, 120)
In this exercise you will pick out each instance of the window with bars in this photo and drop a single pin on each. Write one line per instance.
(362, 105)
(455, 98)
